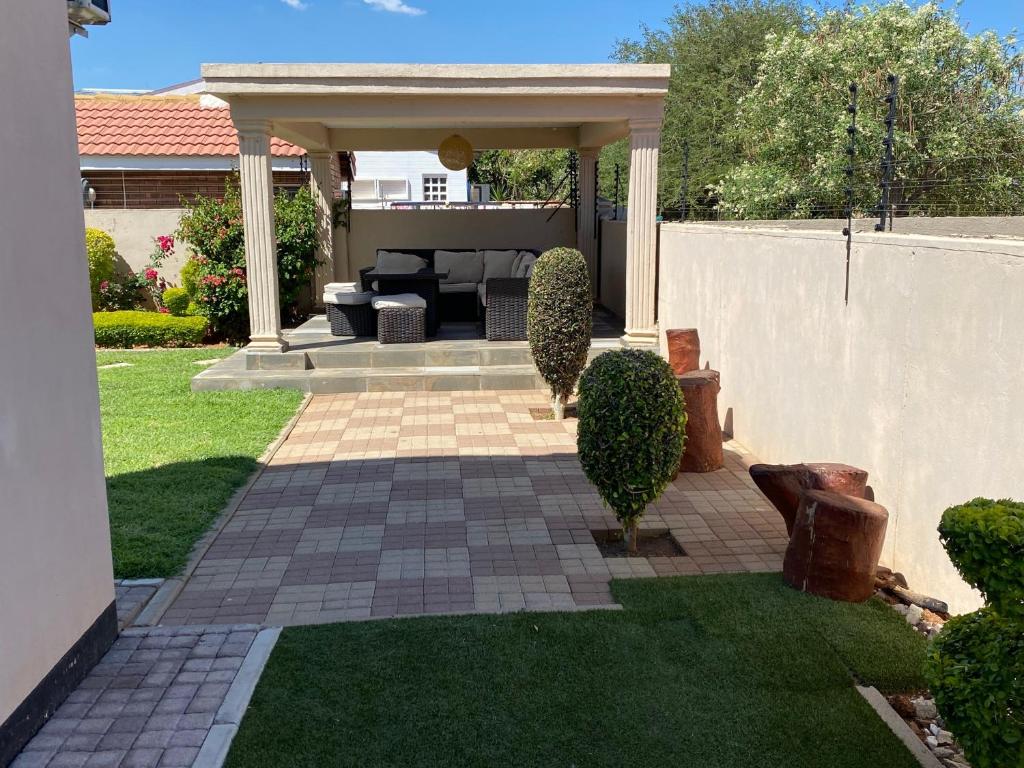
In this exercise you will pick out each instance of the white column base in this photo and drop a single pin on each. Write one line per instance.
(638, 337)
(266, 344)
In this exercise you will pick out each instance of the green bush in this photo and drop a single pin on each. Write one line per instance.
(559, 320)
(194, 310)
(191, 272)
(975, 670)
(176, 300)
(147, 329)
(631, 431)
(985, 541)
(100, 250)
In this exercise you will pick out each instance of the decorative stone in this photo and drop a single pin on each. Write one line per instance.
(835, 545)
(703, 450)
(783, 484)
(683, 350)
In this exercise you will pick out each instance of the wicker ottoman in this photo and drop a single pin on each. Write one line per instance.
(350, 313)
(400, 319)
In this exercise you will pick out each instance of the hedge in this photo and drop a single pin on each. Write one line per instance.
(147, 329)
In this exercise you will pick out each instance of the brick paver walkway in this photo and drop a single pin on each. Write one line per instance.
(149, 703)
(385, 504)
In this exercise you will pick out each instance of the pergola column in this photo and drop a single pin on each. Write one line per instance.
(260, 238)
(586, 225)
(642, 230)
(321, 185)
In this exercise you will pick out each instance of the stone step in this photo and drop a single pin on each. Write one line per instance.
(379, 356)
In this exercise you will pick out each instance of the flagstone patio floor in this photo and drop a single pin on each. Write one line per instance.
(394, 504)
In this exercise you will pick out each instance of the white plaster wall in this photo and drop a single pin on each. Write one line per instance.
(917, 379)
(55, 565)
(460, 228)
(613, 266)
(412, 166)
(134, 230)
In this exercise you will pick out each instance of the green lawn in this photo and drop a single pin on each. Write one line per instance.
(173, 458)
(708, 672)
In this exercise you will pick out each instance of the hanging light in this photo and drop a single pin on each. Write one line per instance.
(455, 153)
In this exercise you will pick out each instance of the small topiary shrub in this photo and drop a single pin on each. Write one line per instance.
(100, 250)
(559, 321)
(176, 300)
(631, 431)
(976, 673)
(976, 665)
(191, 273)
(985, 541)
(147, 329)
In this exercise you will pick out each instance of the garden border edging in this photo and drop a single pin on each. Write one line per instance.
(899, 727)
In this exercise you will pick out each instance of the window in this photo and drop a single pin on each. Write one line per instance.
(435, 189)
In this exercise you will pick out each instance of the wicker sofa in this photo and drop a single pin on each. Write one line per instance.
(480, 285)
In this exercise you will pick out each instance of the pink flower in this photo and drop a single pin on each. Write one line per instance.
(166, 243)
(104, 284)
(164, 311)
(238, 271)
(151, 274)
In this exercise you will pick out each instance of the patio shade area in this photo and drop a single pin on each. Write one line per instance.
(326, 108)
(396, 504)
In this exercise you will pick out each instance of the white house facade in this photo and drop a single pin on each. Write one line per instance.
(389, 179)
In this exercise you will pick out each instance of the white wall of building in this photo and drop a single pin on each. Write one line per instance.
(411, 167)
(917, 379)
(55, 563)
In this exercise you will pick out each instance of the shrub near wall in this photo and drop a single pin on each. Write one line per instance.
(147, 329)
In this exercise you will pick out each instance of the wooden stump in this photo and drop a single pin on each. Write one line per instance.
(703, 450)
(783, 484)
(835, 546)
(683, 350)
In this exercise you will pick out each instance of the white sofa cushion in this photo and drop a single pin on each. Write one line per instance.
(346, 297)
(398, 263)
(399, 300)
(481, 291)
(458, 287)
(524, 265)
(461, 266)
(498, 263)
(342, 288)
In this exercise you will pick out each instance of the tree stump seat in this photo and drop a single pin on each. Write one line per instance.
(703, 449)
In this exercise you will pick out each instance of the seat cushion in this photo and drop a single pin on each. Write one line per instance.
(345, 297)
(461, 266)
(399, 300)
(498, 263)
(342, 288)
(524, 264)
(481, 291)
(458, 287)
(398, 263)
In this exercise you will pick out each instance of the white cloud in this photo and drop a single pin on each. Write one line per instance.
(394, 6)
(298, 5)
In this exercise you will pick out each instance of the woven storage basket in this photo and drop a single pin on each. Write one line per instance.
(352, 319)
(401, 325)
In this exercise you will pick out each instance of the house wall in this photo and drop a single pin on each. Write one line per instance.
(141, 189)
(56, 583)
(411, 166)
(465, 228)
(917, 379)
(134, 231)
(613, 267)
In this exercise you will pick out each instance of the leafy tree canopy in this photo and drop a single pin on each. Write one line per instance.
(959, 131)
(714, 49)
(521, 174)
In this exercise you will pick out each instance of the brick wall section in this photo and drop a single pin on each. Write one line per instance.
(162, 189)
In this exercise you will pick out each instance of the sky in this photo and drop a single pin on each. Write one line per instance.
(154, 44)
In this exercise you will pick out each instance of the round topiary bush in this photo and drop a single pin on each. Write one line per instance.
(985, 541)
(191, 273)
(176, 300)
(559, 319)
(100, 250)
(975, 671)
(631, 431)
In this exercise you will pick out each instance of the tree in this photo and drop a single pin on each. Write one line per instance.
(521, 174)
(958, 131)
(714, 50)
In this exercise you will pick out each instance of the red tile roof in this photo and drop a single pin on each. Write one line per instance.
(170, 125)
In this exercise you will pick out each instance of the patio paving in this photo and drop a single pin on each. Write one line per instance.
(403, 503)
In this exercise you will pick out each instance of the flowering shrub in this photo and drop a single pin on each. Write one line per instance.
(100, 249)
(133, 291)
(215, 275)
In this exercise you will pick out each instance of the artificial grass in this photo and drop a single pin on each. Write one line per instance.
(709, 672)
(173, 457)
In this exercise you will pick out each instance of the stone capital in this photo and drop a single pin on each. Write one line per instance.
(589, 153)
(319, 154)
(252, 128)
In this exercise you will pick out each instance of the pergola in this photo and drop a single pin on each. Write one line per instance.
(327, 108)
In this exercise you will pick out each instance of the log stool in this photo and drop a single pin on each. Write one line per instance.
(835, 546)
(683, 350)
(783, 484)
(703, 449)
